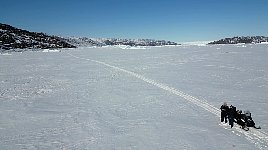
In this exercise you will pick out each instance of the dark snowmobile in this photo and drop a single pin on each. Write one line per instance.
(245, 120)
(249, 121)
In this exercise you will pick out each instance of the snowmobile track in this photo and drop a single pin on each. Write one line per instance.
(257, 137)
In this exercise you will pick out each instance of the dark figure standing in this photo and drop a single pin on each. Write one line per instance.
(224, 112)
(231, 115)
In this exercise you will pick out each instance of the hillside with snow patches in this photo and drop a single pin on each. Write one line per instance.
(87, 42)
(242, 39)
(145, 98)
(13, 38)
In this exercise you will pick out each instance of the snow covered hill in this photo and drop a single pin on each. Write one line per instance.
(86, 42)
(247, 39)
(14, 38)
(146, 99)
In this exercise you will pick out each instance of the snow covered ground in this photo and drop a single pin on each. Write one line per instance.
(114, 98)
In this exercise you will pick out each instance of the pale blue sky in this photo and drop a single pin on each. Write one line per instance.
(176, 20)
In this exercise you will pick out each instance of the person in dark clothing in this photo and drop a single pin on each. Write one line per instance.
(231, 115)
(224, 112)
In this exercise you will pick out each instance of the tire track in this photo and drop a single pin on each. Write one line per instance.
(259, 138)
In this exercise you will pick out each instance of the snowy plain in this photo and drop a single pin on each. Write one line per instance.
(133, 98)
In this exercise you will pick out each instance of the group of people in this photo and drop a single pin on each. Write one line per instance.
(233, 115)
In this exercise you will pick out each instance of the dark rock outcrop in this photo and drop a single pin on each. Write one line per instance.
(246, 40)
(14, 38)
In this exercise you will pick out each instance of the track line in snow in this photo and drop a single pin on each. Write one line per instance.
(259, 138)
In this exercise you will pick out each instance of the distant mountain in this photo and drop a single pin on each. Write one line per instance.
(84, 41)
(14, 38)
(236, 40)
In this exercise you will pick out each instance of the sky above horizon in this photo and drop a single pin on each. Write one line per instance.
(175, 20)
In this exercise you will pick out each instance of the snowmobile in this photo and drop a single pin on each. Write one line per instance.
(249, 121)
(245, 120)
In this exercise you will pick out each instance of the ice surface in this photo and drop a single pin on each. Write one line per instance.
(114, 98)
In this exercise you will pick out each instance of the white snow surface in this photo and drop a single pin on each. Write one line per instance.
(114, 98)
(196, 43)
(51, 50)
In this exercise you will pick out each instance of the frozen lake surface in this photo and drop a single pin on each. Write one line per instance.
(148, 98)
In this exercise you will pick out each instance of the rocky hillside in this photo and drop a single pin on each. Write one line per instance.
(14, 38)
(236, 40)
(84, 41)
